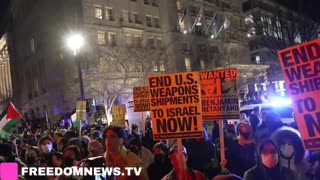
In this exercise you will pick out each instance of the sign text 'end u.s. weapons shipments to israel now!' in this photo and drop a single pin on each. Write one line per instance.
(175, 102)
(141, 99)
(219, 94)
(301, 69)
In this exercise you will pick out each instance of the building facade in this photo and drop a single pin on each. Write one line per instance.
(272, 27)
(196, 35)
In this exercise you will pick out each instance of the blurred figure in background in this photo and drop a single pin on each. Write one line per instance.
(161, 164)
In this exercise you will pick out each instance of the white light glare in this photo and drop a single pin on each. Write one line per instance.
(75, 42)
(212, 36)
(185, 32)
(279, 102)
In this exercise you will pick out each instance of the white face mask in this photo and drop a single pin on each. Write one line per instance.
(46, 148)
(269, 160)
(287, 150)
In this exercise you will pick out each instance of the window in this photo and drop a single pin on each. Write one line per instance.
(125, 16)
(202, 64)
(258, 60)
(129, 39)
(162, 68)
(187, 64)
(101, 38)
(146, 2)
(151, 43)
(135, 18)
(112, 39)
(179, 5)
(98, 12)
(156, 22)
(154, 3)
(148, 21)
(159, 43)
(137, 41)
(297, 39)
(32, 48)
(109, 13)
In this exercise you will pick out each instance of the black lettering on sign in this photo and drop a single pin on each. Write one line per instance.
(176, 124)
(312, 123)
(307, 103)
(159, 81)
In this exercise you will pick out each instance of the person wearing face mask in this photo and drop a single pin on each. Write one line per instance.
(292, 153)
(161, 164)
(268, 165)
(49, 156)
(240, 152)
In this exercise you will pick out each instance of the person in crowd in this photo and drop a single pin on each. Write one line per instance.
(134, 132)
(62, 143)
(77, 142)
(243, 117)
(147, 138)
(6, 152)
(33, 156)
(180, 166)
(96, 135)
(22, 149)
(135, 146)
(313, 173)
(200, 153)
(56, 137)
(161, 164)
(292, 153)
(49, 156)
(254, 118)
(118, 156)
(240, 153)
(270, 122)
(95, 149)
(268, 165)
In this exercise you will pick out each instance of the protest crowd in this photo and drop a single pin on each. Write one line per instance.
(258, 147)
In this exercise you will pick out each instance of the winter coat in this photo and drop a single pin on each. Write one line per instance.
(297, 163)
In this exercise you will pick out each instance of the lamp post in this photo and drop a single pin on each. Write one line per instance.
(75, 42)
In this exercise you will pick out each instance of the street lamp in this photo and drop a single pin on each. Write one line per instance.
(75, 42)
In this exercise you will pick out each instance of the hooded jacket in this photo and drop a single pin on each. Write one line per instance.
(261, 172)
(297, 162)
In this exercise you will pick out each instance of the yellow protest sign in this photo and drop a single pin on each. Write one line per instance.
(119, 115)
(141, 99)
(220, 94)
(175, 105)
(81, 111)
(301, 67)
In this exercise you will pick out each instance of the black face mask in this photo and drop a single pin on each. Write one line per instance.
(246, 135)
(30, 160)
(158, 157)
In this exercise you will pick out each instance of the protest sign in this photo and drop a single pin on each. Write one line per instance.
(301, 67)
(81, 111)
(141, 99)
(119, 115)
(175, 104)
(219, 94)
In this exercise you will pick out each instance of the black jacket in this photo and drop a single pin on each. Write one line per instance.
(259, 172)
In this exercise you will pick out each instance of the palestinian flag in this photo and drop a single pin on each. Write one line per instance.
(9, 118)
(75, 122)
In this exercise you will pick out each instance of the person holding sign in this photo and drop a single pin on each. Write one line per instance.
(268, 165)
(189, 173)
